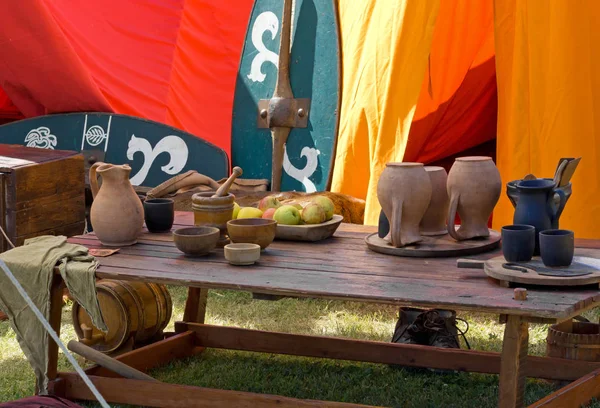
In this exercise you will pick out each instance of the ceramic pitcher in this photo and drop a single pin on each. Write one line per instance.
(117, 213)
(434, 220)
(474, 188)
(404, 191)
(537, 207)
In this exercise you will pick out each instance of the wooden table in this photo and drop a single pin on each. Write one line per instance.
(339, 268)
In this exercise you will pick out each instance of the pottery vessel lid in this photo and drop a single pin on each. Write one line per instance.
(434, 168)
(473, 158)
(404, 164)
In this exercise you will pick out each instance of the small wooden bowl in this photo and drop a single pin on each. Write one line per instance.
(259, 231)
(196, 241)
(242, 254)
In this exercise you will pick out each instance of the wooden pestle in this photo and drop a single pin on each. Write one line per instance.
(224, 189)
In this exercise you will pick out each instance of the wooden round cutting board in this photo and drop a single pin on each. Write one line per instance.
(436, 247)
(585, 261)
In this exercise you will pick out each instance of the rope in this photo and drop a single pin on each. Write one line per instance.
(6, 238)
(52, 333)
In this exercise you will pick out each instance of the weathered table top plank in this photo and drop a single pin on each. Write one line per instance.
(339, 268)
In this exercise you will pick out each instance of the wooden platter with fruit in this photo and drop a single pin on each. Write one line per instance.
(313, 222)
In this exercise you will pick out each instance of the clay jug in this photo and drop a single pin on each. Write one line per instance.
(536, 206)
(474, 187)
(404, 191)
(434, 220)
(117, 214)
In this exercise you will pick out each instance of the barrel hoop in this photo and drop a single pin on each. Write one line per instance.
(138, 304)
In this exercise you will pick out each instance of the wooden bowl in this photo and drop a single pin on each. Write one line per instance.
(309, 232)
(196, 241)
(242, 253)
(259, 231)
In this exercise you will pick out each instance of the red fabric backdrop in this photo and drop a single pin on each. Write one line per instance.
(172, 61)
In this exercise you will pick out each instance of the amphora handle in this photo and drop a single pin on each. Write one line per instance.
(396, 225)
(452, 216)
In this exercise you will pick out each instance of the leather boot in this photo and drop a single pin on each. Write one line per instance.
(406, 332)
(441, 325)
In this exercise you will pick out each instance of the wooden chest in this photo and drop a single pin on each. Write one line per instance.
(41, 193)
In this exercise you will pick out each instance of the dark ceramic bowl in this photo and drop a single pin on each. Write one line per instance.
(259, 231)
(557, 247)
(159, 214)
(196, 241)
(518, 242)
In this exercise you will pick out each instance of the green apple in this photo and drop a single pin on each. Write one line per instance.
(313, 214)
(287, 215)
(326, 204)
(236, 210)
(298, 206)
(249, 212)
(268, 202)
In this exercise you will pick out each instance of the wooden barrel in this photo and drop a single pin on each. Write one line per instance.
(134, 312)
(574, 341)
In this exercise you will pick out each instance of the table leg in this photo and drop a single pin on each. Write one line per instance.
(56, 303)
(514, 355)
(195, 305)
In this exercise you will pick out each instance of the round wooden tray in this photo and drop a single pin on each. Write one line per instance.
(585, 260)
(436, 247)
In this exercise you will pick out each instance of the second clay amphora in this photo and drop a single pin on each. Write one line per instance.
(404, 192)
(117, 213)
(434, 220)
(474, 188)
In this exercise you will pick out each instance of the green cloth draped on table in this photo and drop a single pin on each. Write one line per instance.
(33, 266)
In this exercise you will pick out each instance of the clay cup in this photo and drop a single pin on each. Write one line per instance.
(159, 214)
(557, 247)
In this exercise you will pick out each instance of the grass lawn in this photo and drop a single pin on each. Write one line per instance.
(305, 377)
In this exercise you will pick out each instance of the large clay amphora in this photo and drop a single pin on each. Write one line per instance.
(474, 188)
(434, 220)
(117, 214)
(404, 191)
(537, 206)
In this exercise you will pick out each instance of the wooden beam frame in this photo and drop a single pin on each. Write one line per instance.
(576, 394)
(233, 338)
(157, 394)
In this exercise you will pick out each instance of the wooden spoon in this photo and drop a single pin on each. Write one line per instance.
(568, 172)
(224, 189)
(559, 171)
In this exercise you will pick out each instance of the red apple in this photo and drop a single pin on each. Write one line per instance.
(269, 213)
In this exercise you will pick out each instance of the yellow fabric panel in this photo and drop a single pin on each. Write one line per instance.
(548, 74)
(385, 48)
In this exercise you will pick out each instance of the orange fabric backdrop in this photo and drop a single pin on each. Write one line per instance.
(457, 105)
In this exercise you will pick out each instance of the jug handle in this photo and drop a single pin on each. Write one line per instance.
(561, 205)
(94, 179)
(396, 225)
(452, 217)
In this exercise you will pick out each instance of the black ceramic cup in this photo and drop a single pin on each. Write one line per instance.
(159, 214)
(518, 242)
(557, 247)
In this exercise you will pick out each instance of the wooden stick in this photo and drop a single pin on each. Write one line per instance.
(107, 362)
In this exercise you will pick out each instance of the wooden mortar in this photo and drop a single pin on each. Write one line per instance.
(212, 211)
